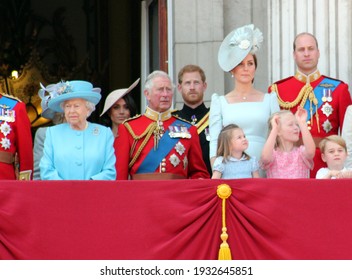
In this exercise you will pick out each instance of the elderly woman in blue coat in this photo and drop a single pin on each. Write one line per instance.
(77, 149)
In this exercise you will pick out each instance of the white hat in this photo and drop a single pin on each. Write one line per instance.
(116, 95)
(237, 45)
(63, 91)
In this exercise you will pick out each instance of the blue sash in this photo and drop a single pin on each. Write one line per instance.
(154, 157)
(319, 93)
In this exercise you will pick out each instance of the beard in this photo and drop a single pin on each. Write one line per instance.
(194, 97)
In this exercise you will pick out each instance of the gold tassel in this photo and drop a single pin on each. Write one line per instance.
(317, 117)
(315, 101)
(224, 191)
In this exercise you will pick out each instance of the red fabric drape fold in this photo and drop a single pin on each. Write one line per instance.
(180, 219)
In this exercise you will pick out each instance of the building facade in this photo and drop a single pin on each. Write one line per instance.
(195, 30)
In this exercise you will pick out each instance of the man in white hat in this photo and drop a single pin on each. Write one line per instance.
(157, 145)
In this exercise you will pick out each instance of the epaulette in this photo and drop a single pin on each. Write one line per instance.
(132, 118)
(177, 117)
(283, 80)
(273, 87)
(175, 112)
(333, 79)
(10, 96)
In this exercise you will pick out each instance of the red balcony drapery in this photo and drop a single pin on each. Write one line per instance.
(178, 219)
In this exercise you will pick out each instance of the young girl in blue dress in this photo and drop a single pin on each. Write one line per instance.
(231, 160)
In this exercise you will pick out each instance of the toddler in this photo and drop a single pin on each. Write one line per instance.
(231, 160)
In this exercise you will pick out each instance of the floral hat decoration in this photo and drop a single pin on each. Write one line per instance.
(62, 91)
(46, 112)
(237, 45)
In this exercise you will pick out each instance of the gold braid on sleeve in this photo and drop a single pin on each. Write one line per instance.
(147, 133)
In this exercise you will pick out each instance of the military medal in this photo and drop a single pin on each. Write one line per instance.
(194, 120)
(5, 143)
(327, 109)
(327, 126)
(207, 134)
(324, 95)
(180, 149)
(174, 131)
(327, 92)
(179, 131)
(329, 97)
(174, 160)
(5, 129)
(6, 114)
(185, 132)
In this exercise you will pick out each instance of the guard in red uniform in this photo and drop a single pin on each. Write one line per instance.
(326, 99)
(16, 154)
(158, 145)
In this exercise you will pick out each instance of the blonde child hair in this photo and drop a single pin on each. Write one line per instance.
(280, 114)
(281, 156)
(335, 168)
(332, 138)
(224, 142)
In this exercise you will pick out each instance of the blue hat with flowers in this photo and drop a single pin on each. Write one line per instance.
(68, 90)
(237, 45)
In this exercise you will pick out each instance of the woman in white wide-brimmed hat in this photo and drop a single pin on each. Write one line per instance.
(77, 149)
(244, 105)
(119, 106)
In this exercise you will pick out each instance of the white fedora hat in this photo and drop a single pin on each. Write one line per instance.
(116, 95)
(237, 45)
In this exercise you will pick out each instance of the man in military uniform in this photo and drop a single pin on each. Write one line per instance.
(157, 145)
(192, 85)
(325, 98)
(16, 154)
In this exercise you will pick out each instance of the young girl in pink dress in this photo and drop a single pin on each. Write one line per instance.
(281, 156)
